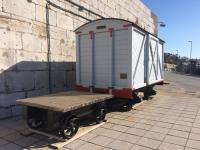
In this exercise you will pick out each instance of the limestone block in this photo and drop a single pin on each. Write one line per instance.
(10, 39)
(5, 113)
(8, 59)
(58, 33)
(1, 5)
(44, 45)
(60, 62)
(4, 20)
(65, 22)
(2, 83)
(56, 90)
(19, 81)
(38, 92)
(52, 17)
(40, 2)
(17, 110)
(20, 7)
(31, 61)
(71, 79)
(20, 26)
(31, 43)
(10, 99)
(39, 29)
(55, 46)
(41, 79)
(59, 79)
(40, 13)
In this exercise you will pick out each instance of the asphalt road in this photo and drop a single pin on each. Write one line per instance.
(187, 82)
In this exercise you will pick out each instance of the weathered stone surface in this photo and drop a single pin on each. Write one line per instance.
(10, 99)
(8, 58)
(20, 7)
(10, 39)
(31, 61)
(37, 92)
(4, 113)
(40, 13)
(19, 81)
(52, 17)
(2, 83)
(17, 110)
(59, 79)
(41, 80)
(35, 46)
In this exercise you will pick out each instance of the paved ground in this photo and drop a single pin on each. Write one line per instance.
(189, 83)
(169, 121)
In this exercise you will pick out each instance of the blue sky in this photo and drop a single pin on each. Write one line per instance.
(182, 19)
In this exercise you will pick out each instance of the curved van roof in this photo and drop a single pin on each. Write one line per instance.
(117, 20)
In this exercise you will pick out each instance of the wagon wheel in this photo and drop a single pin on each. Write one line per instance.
(128, 105)
(70, 127)
(100, 113)
(34, 118)
(34, 123)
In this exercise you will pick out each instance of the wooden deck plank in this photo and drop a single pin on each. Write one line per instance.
(64, 101)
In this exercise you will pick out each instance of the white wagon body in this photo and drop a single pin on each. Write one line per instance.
(115, 56)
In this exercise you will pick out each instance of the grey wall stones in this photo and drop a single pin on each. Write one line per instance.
(23, 45)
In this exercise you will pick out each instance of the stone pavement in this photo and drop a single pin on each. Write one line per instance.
(166, 122)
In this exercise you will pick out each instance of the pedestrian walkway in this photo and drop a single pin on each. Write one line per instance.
(165, 123)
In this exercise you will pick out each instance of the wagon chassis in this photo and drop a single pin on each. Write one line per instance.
(64, 124)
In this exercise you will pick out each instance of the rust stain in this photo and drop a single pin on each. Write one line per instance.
(5, 54)
(36, 58)
(21, 54)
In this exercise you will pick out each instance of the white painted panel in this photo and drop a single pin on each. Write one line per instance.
(138, 60)
(153, 60)
(85, 60)
(160, 61)
(101, 59)
(122, 58)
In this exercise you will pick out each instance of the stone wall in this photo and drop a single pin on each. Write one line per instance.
(24, 70)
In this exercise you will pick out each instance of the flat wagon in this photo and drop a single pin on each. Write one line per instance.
(60, 114)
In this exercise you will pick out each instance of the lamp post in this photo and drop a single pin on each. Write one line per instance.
(177, 56)
(190, 56)
(162, 24)
(190, 49)
(177, 53)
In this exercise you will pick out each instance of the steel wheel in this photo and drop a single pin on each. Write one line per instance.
(70, 127)
(35, 117)
(128, 106)
(34, 124)
(100, 113)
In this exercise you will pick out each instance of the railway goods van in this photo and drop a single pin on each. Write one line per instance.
(116, 56)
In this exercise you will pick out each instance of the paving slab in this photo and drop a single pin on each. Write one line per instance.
(193, 144)
(89, 146)
(101, 140)
(120, 145)
(155, 135)
(129, 138)
(169, 146)
(175, 140)
(150, 143)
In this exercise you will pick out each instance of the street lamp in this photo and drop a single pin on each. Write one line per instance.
(176, 57)
(162, 24)
(177, 53)
(190, 56)
(190, 49)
